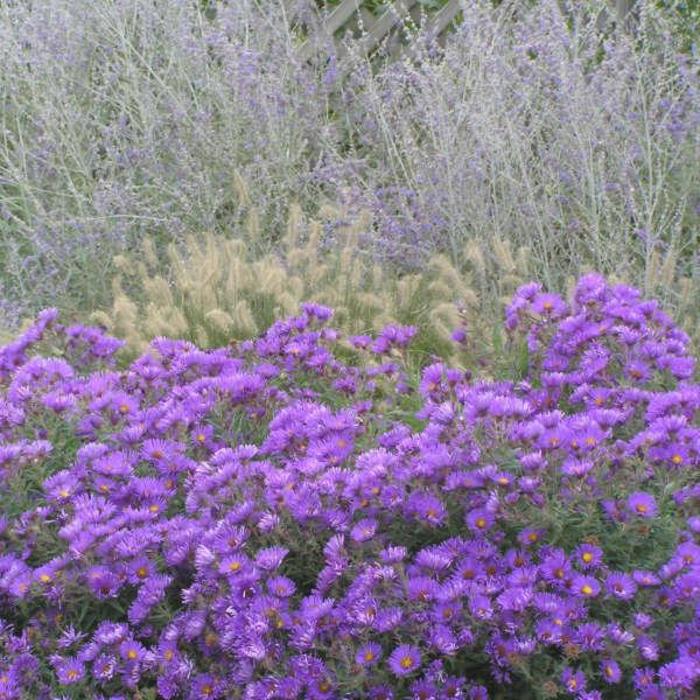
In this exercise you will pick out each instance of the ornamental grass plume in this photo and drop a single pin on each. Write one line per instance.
(291, 518)
(213, 290)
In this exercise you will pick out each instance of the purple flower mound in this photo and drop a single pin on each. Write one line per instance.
(300, 516)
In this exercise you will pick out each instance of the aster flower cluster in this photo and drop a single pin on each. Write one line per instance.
(296, 517)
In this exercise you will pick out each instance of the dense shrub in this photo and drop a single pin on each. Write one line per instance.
(125, 119)
(295, 516)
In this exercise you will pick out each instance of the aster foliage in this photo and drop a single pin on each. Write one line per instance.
(296, 516)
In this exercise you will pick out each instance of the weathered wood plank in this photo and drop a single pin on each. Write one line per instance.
(384, 24)
(443, 18)
(341, 15)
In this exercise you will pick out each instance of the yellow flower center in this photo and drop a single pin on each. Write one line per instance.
(406, 662)
(641, 508)
(677, 459)
(131, 654)
(234, 566)
(481, 523)
(587, 557)
(369, 655)
(44, 578)
(586, 589)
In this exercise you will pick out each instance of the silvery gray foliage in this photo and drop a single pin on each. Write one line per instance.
(126, 118)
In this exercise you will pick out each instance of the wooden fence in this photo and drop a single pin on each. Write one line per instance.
(374, 31)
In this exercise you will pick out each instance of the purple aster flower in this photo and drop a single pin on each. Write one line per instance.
(368, 654)
(643, 678)
(271, 557)
(620, 586)
(404, 660)
(611, 671)
(646, 578)
(681, 674)
(364, 530)
(131, 651)
(204, 687)
(515, 599)
(555, 567)
(585, 586)
(530, 536)
(643, 621)
(574, 681)
(577, 467)
(588, 556)
(648, 648)
(421, 588)
(642, 504)
(480, 607)
(104, 667)
(444, 640)
(69, 671)
(590, 636)
(103, 582)
(479, 520)
(428, 508)
(281, 586)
